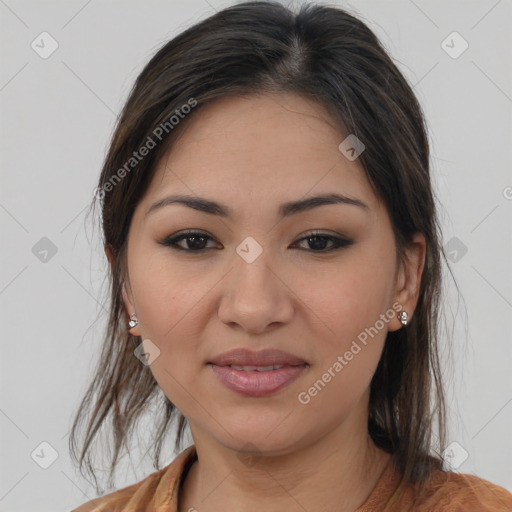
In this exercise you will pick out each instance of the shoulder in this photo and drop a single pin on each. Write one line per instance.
(457, 492)
(126, 498)
(468, 493)
(443, 491)
(159, 489)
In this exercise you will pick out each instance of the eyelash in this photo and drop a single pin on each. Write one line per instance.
(172, 241)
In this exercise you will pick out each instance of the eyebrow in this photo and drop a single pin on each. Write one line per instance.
(285, 210)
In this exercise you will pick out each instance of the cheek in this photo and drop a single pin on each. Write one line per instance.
(165, 294)
(349, 300)
(168, 306)
(347, 297)
(167, 300)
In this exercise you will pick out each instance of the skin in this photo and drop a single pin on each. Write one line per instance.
(253, 154)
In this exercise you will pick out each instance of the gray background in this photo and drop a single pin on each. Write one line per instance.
(57, 115)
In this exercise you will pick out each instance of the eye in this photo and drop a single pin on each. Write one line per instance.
(195, 241)
(318, 241)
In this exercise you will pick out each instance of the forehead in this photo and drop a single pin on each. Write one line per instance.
(281, 146)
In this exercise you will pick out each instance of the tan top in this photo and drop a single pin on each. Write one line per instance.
(446, 492)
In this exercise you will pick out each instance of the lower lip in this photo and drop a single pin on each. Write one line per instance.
(254, 383)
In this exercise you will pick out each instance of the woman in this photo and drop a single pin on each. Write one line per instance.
(275, 264)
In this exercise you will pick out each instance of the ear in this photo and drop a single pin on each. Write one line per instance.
(408, 279)
(127, 295)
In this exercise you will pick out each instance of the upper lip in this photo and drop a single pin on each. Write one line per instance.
(266, 357)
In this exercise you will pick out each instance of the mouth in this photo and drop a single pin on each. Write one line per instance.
(257, 381)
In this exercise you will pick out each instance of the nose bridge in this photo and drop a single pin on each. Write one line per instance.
(255, 296)
(252, 272)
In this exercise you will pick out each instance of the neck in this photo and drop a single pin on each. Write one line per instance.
(338, 472)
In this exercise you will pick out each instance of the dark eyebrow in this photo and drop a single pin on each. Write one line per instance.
(285, 210)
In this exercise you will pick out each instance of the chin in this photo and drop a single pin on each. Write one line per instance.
(263, 439)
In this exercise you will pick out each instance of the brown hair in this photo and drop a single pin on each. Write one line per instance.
(330, 56)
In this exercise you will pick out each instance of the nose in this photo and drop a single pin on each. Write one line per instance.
(256, 297)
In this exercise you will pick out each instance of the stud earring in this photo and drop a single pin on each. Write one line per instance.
(402, 316)
(133, 320)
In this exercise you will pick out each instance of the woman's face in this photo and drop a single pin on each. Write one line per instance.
(256, 280)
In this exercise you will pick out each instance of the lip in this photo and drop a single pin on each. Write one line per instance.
(257, 383)
(265, 357)
(254, 382)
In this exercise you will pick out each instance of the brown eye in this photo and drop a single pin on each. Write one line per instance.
(195, 241)
(317, 242)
